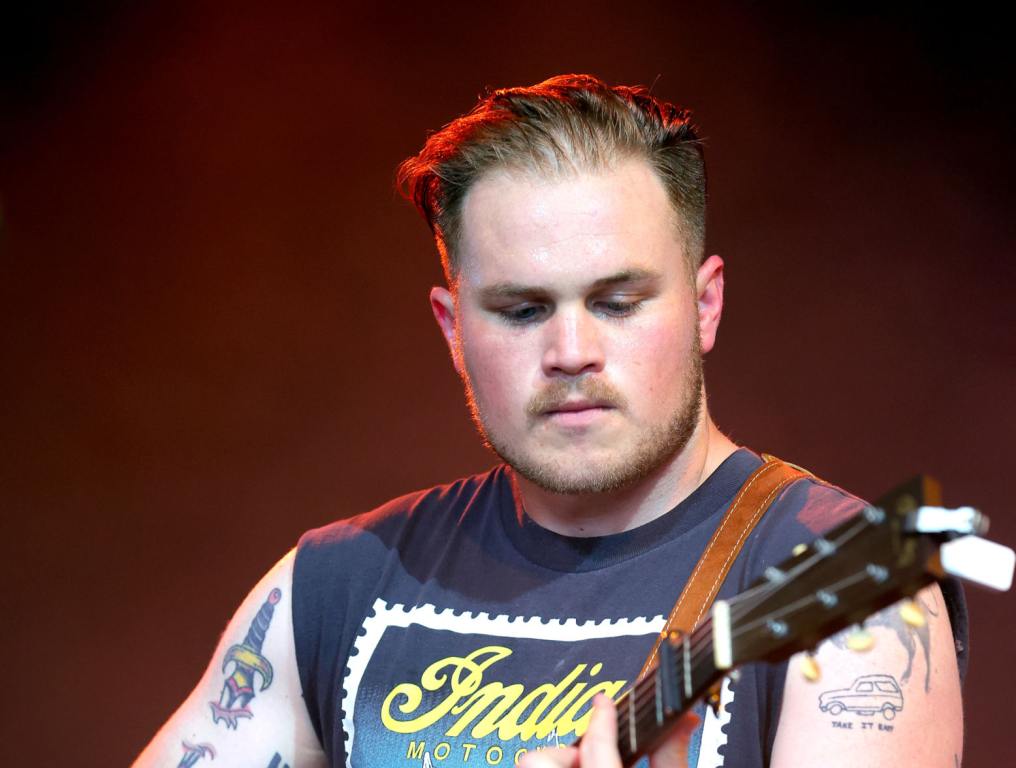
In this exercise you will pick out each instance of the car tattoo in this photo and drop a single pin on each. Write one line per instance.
(867, 695)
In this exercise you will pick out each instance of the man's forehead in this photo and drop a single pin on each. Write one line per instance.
(513, 222)
(501, 201)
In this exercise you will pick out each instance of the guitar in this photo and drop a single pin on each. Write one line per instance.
(888, 552)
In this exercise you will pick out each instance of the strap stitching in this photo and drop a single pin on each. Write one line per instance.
(736, 549)
(712, 542)
(763, 470)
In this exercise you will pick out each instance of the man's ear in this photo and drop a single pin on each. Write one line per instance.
(442, 304)
(709, 297)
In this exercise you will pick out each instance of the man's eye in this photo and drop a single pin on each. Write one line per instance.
(526, 313)
(619, 307)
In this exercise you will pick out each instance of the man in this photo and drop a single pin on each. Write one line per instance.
(490, 620)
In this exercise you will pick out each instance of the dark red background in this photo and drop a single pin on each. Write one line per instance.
(216, 331)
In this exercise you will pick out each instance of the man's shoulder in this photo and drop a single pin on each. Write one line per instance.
(433, 509)
(409, 535)
(805, 510)
(819, 505)
(808, 505)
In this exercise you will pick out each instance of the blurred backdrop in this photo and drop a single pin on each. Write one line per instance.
(216, 333)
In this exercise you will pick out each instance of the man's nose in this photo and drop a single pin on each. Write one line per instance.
(572, 344)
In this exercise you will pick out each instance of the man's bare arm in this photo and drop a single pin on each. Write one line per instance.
(897, 703)
(247, 710)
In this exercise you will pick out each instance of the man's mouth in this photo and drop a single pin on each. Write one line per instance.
(573, 401)
(577, 406)
(577, 413)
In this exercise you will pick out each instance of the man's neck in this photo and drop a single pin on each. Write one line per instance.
(603, 514)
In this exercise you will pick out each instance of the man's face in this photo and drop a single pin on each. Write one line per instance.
(576, 326)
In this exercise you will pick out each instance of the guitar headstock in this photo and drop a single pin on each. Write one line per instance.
(886, 553)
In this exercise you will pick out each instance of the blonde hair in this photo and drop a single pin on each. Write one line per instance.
(563, 125)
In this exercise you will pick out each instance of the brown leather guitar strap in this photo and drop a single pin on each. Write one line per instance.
(747, 508)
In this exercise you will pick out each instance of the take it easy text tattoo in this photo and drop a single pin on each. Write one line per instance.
(248, 665)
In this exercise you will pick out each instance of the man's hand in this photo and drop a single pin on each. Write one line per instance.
(598, 747)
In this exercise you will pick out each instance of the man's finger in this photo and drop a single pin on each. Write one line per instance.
(598, 748)
(557, 757)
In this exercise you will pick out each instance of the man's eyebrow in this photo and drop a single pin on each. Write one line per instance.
(509, 290)
(635, 275)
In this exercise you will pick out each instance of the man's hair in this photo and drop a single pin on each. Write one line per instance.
(563, 125)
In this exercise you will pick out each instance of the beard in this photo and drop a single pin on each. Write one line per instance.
(653, 447)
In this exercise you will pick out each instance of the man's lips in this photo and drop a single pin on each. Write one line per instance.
(560, 398)
(577, 407)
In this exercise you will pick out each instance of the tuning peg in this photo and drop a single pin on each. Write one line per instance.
(860, 640)
(800, 549)
(912, 614)
(810, 668)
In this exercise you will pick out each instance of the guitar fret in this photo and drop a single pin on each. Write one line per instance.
(631, 722)
(658, 693)
(667, 670)
(687, 668)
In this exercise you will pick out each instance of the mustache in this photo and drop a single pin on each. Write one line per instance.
(557, 393)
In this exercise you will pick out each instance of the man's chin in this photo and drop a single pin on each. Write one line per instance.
(575, 476)
(600, 466)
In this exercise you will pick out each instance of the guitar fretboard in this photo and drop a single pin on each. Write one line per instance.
(682, 674)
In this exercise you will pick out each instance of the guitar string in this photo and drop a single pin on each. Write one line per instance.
(802, 601)
(745, 602)
(789, 608)
(644, 691)
(740, 605)
(643, 712)
(649, 683)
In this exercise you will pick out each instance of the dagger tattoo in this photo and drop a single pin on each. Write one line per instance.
(238, 690)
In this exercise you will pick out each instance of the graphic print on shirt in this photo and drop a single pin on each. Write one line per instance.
(429, 687)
